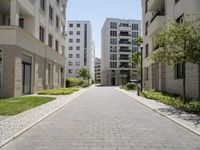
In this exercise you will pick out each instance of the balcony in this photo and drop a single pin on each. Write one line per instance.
(19, 38)
(125, 43)
(156, 23)
(125, 50)
(124, 27)
(154, 5)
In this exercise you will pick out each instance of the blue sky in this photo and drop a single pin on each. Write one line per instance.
(98, 10)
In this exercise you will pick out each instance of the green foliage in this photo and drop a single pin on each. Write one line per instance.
(138, 40)
(174, 100)
(178, 42)
(83, 73)
(60, 91)
(129, 86)
(71, 82)
(13, 106)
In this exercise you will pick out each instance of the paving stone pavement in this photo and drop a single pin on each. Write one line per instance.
(105, 119)
(12, 126)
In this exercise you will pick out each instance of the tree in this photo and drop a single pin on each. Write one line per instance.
(179, 43)
(136, 56)
(85, 74)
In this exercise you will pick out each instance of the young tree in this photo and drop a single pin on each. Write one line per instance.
(179, 43)
(83, 72)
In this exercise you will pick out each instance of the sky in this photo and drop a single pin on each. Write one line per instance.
(97, 11)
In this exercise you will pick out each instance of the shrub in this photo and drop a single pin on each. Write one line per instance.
(131, 86)
(174, 100)
(60, 91)
(71, 82)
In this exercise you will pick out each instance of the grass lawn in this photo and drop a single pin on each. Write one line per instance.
(13, 106)
(60, 91)
(174, 100)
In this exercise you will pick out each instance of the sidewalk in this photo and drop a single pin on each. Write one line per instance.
(16, 125)
(187, 120)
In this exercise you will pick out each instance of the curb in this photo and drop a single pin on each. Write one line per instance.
(162, 114)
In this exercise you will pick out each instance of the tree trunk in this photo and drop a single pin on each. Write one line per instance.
(184, 82)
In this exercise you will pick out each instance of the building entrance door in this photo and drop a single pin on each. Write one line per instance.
(113, 81)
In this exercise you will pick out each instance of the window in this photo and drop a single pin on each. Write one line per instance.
(113, 33)
(113, 48)
(50, 13)
(71, 25)
(77, 48)
(113, 64)
(178, 71)
(77, 55)
(113, 56)
(1, 66)
(134, 34)
(146, 28)
(78, 32)
(70, 47)
(70, 32)
(70, 55)
(77, 63)
(50, 40)
(70, 63)
(57, 21)
(70, 71)
(176, 1)
(180, 19)
(70, 40)
(78, 25)
(41, 34)
(113, 41)
(134, 49)
(77, 40)
(77, 71)
(63, 50)
(56, 45)
(134, 43)
(42, 4)
(146, 73)
(113, 25)
(134, 26)
(58, 1)
(147, 50)
(146, 6)
(21, 22)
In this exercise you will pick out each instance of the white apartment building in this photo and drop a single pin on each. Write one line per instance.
(32, 46)
(80, 51)
(116, 49)
(97, 70)
(163, 77)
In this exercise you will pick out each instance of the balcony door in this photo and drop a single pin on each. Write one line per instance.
(26, 74)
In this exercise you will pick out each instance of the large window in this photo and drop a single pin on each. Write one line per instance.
(113, 33)
(134, 26)
(113, 64)
(146, 28)
(178, 71)
(1, 66)
(113, 25)
(57, 21)
(113, 41)
(56, 45)
(42, 4)
(41, 34)
(50, 40)
(113, 56)
(50, 13)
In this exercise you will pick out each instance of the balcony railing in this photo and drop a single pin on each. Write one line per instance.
(124, 42)
(159, 13)
(124, 34)
(125, 50)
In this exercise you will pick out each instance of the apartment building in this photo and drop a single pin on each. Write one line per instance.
(80, 51)
(117, 39)
(32, 46)
(163, 77)
(97, 70)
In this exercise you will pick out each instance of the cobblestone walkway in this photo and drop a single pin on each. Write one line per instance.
(11, 127)
(105, 119)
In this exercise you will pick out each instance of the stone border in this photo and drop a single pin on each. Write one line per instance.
(14, 126)
(187, 120)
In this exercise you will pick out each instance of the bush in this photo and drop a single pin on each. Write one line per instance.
(85, 84)
(71, 82)
(174, 100)
(60, 91)
(131, 86)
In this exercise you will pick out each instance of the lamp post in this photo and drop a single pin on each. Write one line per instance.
(141, 86)
(122, 74)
